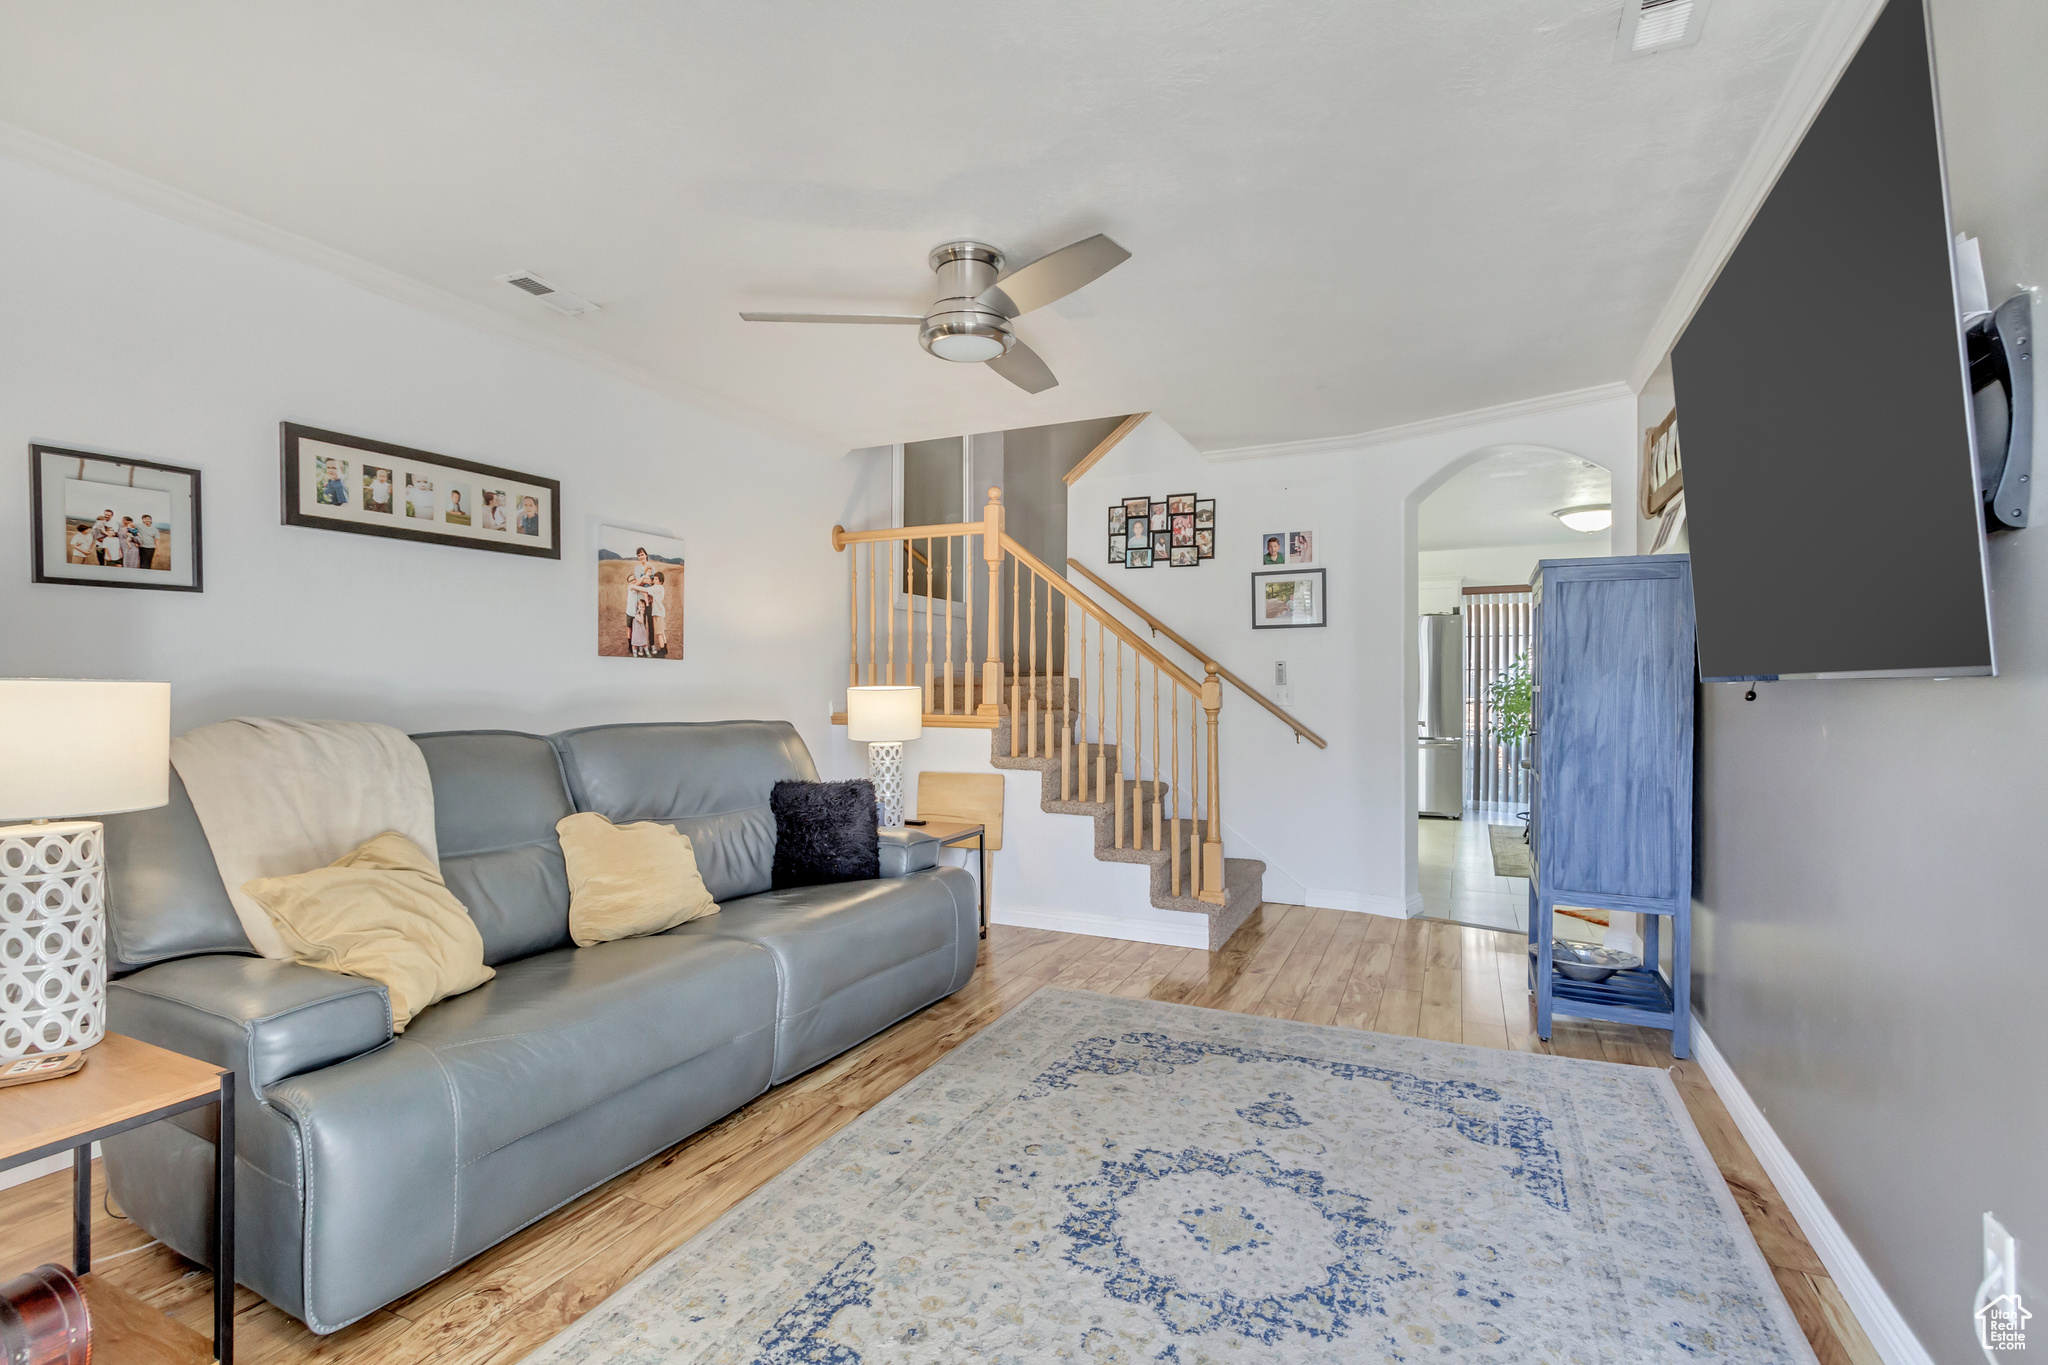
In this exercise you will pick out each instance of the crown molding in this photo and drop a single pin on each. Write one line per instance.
(1840, 34)
(1429, 426)
(33, 149)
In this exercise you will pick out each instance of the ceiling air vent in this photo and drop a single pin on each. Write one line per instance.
(560, 300)
(1658, 25)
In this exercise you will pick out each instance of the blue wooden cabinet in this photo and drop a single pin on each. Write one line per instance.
(1610, 811)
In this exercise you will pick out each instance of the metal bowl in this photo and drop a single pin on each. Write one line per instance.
(1588, 961)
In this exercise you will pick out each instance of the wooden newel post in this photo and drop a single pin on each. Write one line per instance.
(1212, 835)
(992, 552)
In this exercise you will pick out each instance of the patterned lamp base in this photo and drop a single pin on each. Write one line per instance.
(53, 960)
(885, 770)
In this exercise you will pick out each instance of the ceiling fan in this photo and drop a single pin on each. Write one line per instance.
(970, 320)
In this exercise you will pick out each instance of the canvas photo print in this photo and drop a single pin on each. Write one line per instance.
(113, 523)
(639, 595)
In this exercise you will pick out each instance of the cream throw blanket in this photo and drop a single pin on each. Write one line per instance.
(280, 797)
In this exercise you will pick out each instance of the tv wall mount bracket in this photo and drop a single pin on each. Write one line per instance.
(2001, 353)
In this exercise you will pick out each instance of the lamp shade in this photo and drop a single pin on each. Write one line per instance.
(884, 713)
(82, 746)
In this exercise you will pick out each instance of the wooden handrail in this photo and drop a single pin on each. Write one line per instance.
(1102, 614)
(1103, 447)
(841, 537)
(1208, 663)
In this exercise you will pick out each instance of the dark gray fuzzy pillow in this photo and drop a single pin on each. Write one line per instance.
(825, 832)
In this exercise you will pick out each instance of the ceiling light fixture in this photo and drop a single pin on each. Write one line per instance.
(1591, 517)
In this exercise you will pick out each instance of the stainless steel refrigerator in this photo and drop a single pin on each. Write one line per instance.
(1440, 722)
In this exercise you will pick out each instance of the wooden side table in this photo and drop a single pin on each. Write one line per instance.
(954, 834)
(127, 1083)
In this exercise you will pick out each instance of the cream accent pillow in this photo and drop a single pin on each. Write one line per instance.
(629, 880)
(381, 911)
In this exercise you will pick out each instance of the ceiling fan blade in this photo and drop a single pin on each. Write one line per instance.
(1053, 276)
(1023, 368)
(833, 317)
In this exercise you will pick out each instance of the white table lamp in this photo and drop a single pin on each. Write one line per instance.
(68, 747)
(885, 717)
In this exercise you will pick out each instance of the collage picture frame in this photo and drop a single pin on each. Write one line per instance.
(1178, 530)
(336, 482)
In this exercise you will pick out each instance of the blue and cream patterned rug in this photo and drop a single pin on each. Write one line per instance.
(1092, 1179)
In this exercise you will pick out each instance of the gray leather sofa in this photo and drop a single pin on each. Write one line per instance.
(369, 1164)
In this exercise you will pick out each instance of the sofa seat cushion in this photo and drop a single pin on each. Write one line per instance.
(561, 1031)
(852, 957)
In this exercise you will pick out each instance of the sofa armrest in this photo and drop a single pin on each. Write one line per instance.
(267, 1020)
(905, 851)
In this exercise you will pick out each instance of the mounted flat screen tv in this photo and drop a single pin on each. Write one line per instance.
(1824, 404)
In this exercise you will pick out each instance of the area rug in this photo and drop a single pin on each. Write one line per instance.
(1510, 851)
(1092, 1179)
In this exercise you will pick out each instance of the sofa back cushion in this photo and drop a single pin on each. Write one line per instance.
(497, 796)
(164, 894)
(710, 780)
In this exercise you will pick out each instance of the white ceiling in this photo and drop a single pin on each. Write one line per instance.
(1507, 499)
(1344, 215)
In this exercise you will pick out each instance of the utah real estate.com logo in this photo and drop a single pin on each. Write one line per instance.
(2002, 1324)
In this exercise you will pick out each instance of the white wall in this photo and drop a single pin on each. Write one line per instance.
(1335, 826)
(132, 334)
(1497, 565)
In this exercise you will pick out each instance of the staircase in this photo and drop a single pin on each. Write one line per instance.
(997, 640)
(1090, 777)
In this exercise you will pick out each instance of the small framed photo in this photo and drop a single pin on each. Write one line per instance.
(1205, 513)
(1205, 541)
(1273, 547)
(1117, 518)
(371, 488)
(113, 522)
(1288, 599)
(1162, 545)
(1137, 507)
(1140, 557)
(1116, 549)
(1183, 529)
(639, 595)
(1159, 516)
(1138, 530)
(1184, 557)
(1301, 547)
(1180, 504)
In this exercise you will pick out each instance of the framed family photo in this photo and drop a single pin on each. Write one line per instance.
(639, 595)
(1285, 599)
(110, 522)
(371, 488)
(1179, 531)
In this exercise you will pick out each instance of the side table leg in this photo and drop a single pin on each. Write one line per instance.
(981, 877)
(81, 1209)
(224, 1226)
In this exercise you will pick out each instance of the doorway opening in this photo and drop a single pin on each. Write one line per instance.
(1479, 537)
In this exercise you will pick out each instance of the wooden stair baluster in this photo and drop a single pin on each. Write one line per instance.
(992, 555)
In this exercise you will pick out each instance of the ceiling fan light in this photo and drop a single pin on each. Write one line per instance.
(1588, 518)
(966, 347)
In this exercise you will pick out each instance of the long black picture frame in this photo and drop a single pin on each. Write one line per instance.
(291, 433)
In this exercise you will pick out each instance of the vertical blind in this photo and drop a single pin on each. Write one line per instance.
(1497, 624)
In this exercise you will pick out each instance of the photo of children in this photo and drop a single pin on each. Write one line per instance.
(376, 489)
(493, 518)
(1301, 547)
(529, 515)
(117, 527)
(1276, 548)
(330, 482)
(639, 594)
(459, 500)
(419, 497)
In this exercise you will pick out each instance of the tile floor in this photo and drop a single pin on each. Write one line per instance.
(1457, 881)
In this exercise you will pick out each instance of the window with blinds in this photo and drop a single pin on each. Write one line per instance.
(1497, 643)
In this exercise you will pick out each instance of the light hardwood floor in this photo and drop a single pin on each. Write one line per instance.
(1422, 978)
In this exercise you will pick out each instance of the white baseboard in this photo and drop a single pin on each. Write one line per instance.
(1880, 1319)
(1174, 928)
(36, 1170)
